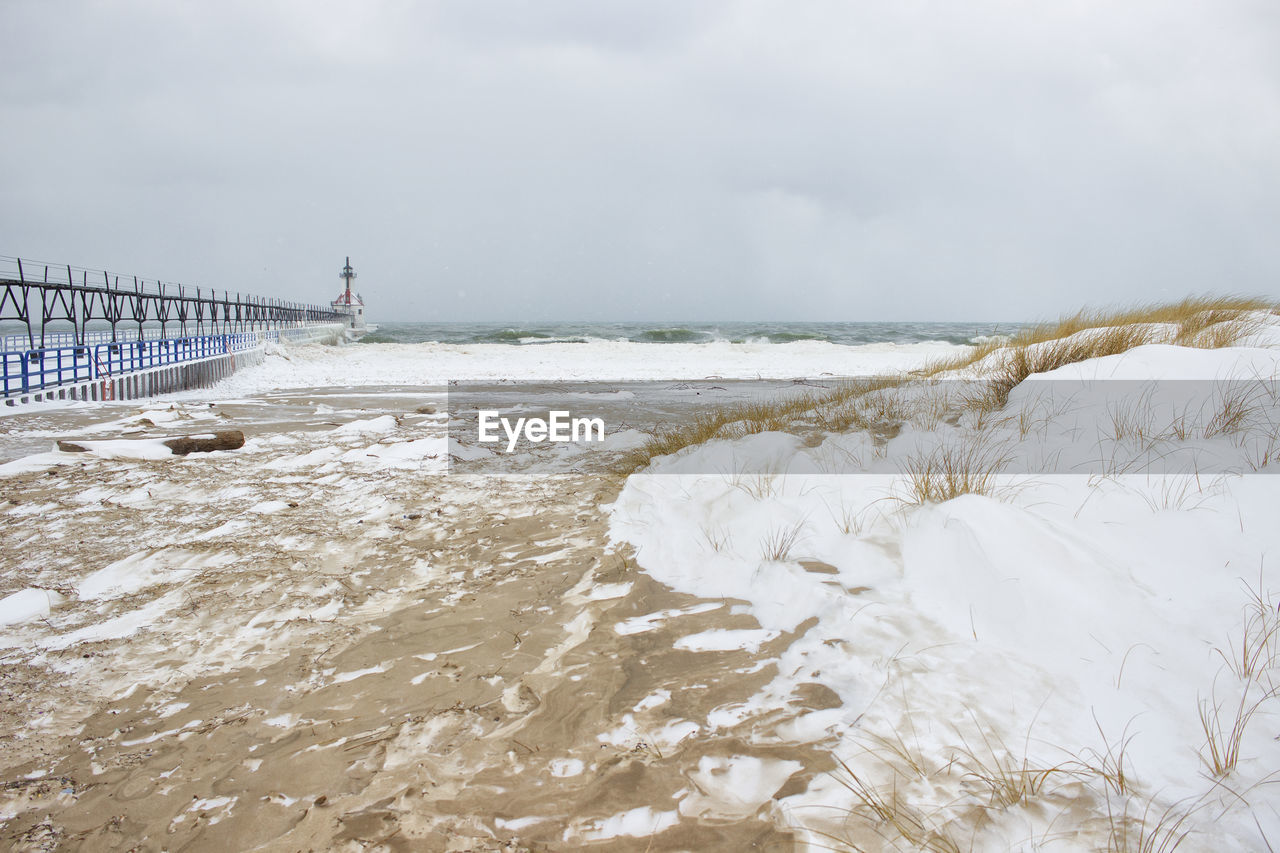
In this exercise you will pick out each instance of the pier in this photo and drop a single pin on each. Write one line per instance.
(129, 337)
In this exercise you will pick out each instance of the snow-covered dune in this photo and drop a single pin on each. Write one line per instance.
(1058, 663)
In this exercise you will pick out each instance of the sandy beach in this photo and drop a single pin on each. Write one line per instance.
(438, 666)
(322, 641)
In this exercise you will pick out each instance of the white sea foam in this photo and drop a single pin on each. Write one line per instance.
(316, 366)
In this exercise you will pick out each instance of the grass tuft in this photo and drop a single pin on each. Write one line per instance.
(1221, 751)
(1009, 780)
(779, 542)
(1137, 834)
(891, 816)
(716, 537)
(1235, 405)
(1110, 765)
(1250, 661)
(1259, 645)
(970, 467)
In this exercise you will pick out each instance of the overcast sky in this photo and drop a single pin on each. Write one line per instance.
(656, 159)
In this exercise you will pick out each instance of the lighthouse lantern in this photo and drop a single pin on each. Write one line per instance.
(349, 304)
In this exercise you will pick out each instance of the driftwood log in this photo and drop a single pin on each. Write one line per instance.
(227, 439)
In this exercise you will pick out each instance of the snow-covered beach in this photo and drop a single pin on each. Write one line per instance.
(326, 639)
(640, 426)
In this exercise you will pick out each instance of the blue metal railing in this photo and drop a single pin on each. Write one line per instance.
(26, 371)
(93, 337)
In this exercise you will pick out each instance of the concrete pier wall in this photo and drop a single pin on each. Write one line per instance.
(105, 362)
(152, 382)
(330, 333)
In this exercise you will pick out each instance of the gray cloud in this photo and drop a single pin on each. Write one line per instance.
(659, 160)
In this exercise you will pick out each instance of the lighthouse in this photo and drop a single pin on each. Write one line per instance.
(350, 304)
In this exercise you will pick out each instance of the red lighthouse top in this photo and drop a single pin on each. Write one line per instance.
(347, 297)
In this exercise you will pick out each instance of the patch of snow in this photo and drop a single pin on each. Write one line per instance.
(562, 768)
(119, 627)
(27, 604)
(380, 425)
(605, 591)
(344, 677)
(724, 640)
(146, 568)
(735, 787)
(637, 823)
(652, 621)
(126, 448)
(268, 507)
